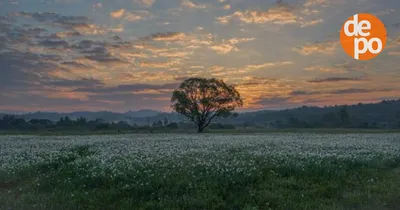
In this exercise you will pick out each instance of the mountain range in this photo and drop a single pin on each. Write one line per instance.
(385, 112)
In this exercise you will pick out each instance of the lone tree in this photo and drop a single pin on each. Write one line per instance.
(202, 100)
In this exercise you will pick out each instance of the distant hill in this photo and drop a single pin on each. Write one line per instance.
(383, 114)
(142, 113)
(105, 115)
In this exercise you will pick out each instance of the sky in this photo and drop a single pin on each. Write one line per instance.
(120, 55)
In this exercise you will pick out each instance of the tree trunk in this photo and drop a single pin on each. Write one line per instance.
(200, 128)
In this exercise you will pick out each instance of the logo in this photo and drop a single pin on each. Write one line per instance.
(363, 36)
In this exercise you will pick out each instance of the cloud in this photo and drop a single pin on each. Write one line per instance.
(310, 3)
(90, 29)
(311, 23)
(66, 34)
(23, 71)
(117, 13)
(166, 36)
(129, 88)
(167, 64)
(303, 93)
(79, 83)
(130, 16)
(319, 47)
(137, 15)
(170, 36)
(169, 54)
(280, 14)
(337, 79)
(54, 43)
(338, 92)
(133, 17)
(256, 89)
(229, 45)
(240, 40)
(357, 90)
(224, 48)
(80, 24)
(227, 7)
(132, 55)
(309, 12)
(190, 4)
(145, 3)
(269, 65)
(326, 69)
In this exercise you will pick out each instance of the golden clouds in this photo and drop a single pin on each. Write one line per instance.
(311, 23)
(130, 16)
(269, 65)
(277, 15)
(229, 45)
(224, 48)
(118, 13)
(172, 36)
(280, 14)
(327, 47)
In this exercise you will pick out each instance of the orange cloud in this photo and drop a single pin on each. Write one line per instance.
(118, 13)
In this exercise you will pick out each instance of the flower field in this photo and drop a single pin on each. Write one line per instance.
(208, 171)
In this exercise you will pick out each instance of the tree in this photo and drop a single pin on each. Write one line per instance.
(157, 124)
(330, 119)
(294, 122)
(344, 116)
(173, 125)
(165, 122)
(202, 100)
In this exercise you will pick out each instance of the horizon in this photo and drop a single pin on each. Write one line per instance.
(72, 55)
(171, 112)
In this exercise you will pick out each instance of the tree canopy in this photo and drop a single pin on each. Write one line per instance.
(202, 100)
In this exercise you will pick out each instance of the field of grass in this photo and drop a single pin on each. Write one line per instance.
(201, 171)
(193, 131)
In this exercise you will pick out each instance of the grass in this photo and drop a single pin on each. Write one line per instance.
(326, 183)
(221, 131)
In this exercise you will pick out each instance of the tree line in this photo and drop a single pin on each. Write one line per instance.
(15, 123)
(210, 104)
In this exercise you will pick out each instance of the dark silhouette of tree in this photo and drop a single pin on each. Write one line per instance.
(344, 116)
(398, 118)
(294, 122)
(202, 100)
(165, 122)
(157, 124)
(331, 119)
(81, 121)
(173, 125)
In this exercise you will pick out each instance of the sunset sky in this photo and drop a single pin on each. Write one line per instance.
(120, 55)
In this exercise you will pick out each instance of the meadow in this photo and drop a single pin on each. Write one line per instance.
(201, 171)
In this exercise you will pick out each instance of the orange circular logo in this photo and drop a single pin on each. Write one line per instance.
(363, 36)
